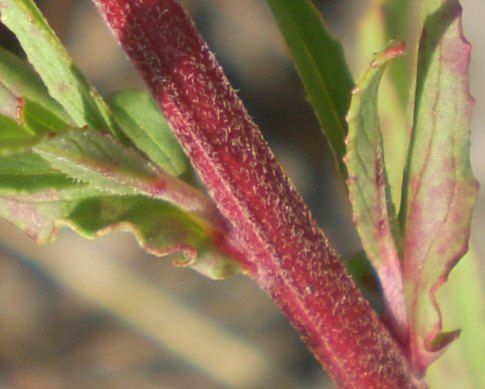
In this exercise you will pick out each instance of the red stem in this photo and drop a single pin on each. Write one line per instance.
(290, 256)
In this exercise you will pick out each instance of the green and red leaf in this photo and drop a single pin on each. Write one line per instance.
(39, 199)
(99, 159)
(439, 191)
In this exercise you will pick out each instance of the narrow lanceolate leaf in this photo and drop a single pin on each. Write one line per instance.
(50, 59)
(138, 116)
(91, 156)
(291, 257)
(439, 190)
(39, 200)
(320, 62)
(100, 160)
(369, 191)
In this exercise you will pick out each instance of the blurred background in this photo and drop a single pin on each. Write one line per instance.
(103, 314)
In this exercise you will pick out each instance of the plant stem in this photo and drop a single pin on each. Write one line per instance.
(291, 257)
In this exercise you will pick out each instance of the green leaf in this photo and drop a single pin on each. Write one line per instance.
(17, 77)
(139, 117)
(102, 161)
(27, 112)
(27, 173)
(88, 180)
(320, 62)
(39, 199)
(159, 227)
(439, 190)
(13, 137)
(30, 124)
(50, 59)
(97, 158)
(369, 191)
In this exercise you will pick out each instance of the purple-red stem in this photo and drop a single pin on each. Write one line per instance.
(290, 256)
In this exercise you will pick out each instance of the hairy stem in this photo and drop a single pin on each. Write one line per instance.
(290, 256)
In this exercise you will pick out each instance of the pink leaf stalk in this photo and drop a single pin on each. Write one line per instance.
(290, 256)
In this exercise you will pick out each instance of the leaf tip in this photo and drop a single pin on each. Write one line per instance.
(394, 50)
(439, 342)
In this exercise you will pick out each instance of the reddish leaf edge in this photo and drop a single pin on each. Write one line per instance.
(272, 227)
(218, 261)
